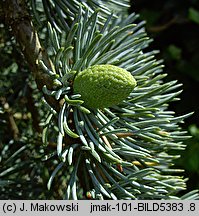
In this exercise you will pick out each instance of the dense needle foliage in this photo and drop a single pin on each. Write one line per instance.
(52, 146)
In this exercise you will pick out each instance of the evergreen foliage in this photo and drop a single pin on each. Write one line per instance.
(52, 146)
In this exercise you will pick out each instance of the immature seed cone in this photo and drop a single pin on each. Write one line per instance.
(103, 85)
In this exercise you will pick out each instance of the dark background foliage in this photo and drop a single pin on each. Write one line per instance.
(174, 26)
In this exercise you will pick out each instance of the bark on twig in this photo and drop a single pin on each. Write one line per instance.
(18, 18)
(33, 110)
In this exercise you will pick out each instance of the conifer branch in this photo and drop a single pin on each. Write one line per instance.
(17, 17)
(123, 150)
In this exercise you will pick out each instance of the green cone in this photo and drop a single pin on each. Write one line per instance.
(103, 85)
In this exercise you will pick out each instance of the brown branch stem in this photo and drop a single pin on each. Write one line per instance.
(17, 17)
